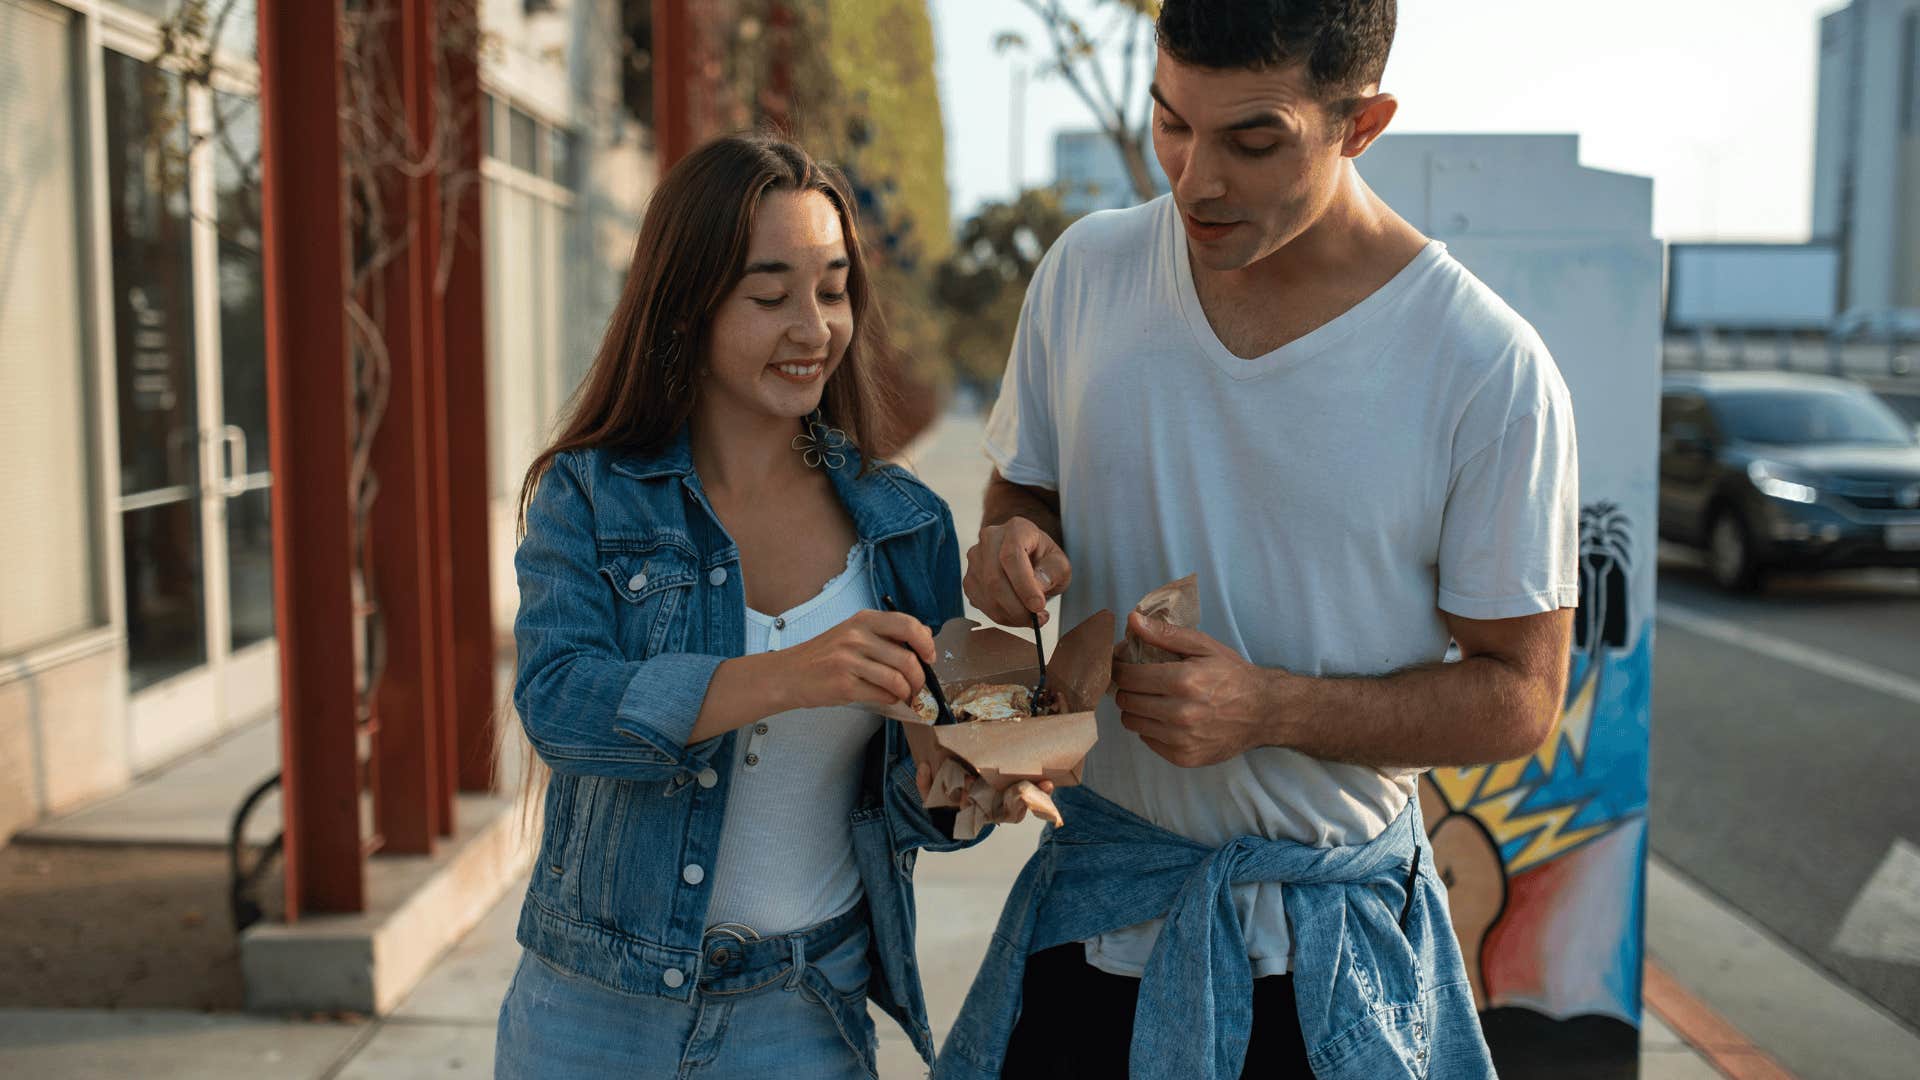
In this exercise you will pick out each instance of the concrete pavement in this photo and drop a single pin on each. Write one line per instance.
(1783, 773)
(445, 1029)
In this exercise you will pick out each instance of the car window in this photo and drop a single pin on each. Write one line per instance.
(1810, 417)
(1684, 416)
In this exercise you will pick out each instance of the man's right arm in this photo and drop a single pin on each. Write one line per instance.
(1007, 500)
(1021, 558)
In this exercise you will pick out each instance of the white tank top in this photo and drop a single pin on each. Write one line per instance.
(786, 846)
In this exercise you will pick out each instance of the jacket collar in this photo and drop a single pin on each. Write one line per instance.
(675, 459)
(878, 500)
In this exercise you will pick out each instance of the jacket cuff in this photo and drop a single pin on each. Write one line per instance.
(662, 703)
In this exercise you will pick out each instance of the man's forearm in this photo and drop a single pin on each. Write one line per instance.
(1479, 710)
(1006, 500)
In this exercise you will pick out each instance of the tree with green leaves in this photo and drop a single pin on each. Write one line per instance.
(853, 80)
(981, 286)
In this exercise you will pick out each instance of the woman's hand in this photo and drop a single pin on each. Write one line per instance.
(871, 659)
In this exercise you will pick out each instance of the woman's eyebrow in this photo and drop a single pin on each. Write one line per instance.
(775, 266)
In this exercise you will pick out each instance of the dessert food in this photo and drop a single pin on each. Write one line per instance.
(990, 701)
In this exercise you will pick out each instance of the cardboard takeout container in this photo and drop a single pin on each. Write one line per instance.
(1005, 752)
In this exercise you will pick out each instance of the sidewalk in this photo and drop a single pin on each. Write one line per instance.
(446, 1027)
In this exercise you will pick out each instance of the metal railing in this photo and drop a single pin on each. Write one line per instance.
(1737, 350)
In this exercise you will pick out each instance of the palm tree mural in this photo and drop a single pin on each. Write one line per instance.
(1602, 621)
(1606, 562)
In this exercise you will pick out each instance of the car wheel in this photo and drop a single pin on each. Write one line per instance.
(1730, 554)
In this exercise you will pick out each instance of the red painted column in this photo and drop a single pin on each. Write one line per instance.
(408, 778)
(424, 100)
(464, 350)
(779, 110)
(672, 81)
(304, 267)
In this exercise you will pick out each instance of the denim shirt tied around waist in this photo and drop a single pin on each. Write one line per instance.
(630, 597)
(1381, 989)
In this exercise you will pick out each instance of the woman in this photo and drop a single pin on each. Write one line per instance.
(725, 865)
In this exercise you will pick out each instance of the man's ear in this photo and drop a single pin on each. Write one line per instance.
(1367, 122)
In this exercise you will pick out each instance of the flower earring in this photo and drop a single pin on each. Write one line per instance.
(821, 444)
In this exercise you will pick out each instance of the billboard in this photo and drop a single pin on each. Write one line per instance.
(1752, 287)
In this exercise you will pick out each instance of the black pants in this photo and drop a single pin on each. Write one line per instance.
(1076, 1020)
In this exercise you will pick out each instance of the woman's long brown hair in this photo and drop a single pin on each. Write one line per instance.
(691, 253)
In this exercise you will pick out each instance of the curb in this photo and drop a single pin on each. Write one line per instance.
(1722, 1044)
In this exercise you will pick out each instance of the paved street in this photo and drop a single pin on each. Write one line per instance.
(1786, 750)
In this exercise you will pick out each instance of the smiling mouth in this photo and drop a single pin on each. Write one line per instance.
(802, 370)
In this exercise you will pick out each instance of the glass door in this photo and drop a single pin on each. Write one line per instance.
(244, 503)
(192, 407)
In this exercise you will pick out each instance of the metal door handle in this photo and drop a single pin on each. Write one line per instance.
(235, 439)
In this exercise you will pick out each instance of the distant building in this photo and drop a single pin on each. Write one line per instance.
(1867, 153)
(1860, 275)
(1091, 175)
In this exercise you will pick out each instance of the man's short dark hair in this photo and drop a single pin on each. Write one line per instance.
(1342, 43)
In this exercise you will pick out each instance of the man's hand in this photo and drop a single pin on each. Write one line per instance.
(1207, 707)
(1013, 570)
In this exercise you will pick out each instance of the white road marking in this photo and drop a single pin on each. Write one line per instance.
(1819, 661)
(1884, 921)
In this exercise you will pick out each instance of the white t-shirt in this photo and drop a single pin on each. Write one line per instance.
(1413, 455)
(786, 844)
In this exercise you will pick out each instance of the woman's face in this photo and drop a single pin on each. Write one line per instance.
(784, 328)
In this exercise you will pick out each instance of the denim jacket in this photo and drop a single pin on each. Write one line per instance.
(630, 598)
(1381, 989)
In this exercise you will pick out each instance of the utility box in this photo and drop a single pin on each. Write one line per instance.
(1546, 856)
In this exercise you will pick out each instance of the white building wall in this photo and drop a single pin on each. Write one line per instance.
(557, 257)
(69, 729)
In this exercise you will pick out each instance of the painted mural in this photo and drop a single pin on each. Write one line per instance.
(1544, 856)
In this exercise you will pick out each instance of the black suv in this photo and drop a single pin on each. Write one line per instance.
(1769, 469)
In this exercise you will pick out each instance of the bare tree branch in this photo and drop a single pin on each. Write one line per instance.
(1091, 49)
(1077, 58)
(1062, 53)
(1134, 26)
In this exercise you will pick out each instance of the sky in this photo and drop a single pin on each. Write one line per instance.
(1714, 99)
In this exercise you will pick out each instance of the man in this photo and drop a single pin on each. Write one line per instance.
(1272, 380)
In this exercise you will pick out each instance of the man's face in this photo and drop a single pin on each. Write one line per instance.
(1254, 157)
